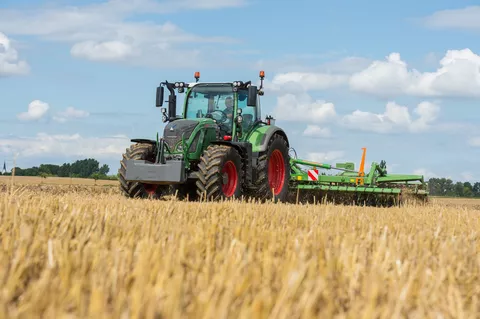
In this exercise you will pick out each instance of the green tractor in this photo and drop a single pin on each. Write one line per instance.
(218, 148)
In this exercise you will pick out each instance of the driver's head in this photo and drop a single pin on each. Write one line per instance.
(229, 102)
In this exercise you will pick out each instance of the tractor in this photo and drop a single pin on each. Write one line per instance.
(217, 148)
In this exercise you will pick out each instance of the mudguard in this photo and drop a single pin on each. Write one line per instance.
(261, 136)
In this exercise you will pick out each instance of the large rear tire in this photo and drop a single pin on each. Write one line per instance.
(220, 173)
(273, 171)
(139, 151)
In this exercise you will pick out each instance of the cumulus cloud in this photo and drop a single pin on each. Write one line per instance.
(10, 64)
(109, 31)
(458, 75)
(317, 131)
(36, 110)
(396, 118)
(70, 113)
(102, 51)
(73, 145)
(303, 108)
(465, 18)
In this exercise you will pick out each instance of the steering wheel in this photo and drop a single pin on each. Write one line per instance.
(223, 116)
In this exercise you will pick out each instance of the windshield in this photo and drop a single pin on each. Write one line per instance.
(210, 99)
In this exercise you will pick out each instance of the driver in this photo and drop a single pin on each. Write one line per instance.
(229, 107)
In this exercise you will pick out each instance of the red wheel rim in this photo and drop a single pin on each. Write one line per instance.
(276, 172)
(150, 189)
(230, 178)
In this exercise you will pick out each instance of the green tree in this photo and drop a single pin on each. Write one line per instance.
(85, 168)
(467, 189)
(64, 170)
(476, 189)
(49, 169)
(104, 169)
(459, 188)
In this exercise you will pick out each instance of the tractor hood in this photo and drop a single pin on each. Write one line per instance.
(172, 134)
(173, 131)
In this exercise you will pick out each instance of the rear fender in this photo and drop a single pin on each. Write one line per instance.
(267, 136)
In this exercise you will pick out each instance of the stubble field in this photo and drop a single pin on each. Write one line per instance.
(82, 251)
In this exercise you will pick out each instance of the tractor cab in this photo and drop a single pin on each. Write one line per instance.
(232, 106)
(226, 104)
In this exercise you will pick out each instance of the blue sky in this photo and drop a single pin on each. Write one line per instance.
(78, 78)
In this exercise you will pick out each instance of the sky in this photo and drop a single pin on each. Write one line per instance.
(78, 78)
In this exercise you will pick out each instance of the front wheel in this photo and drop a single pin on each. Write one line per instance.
(273, 171)
(139, 151)
(220, 173)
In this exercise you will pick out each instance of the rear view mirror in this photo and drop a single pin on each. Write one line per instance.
(252, 96)
(159, 101)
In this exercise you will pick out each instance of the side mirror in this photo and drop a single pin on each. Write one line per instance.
(159, 101)
(252, 96)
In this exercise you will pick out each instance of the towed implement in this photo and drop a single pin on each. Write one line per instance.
(219, 147)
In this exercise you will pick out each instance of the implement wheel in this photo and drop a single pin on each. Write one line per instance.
(139, 151)
(273, 171)
(220, 173)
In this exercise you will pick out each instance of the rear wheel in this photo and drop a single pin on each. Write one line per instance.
(273, 171)
(220, 173)
(139, 151)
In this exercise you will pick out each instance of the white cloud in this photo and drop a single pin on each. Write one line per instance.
(70, 113)
(303, 108)
(466, 18)
(102, 51)
(458, 75)
(107, 32)
(396, 118)
(322, 157)
(10, 64)
(474, 141)
(317, 131)
(66, 145)
(36, 110)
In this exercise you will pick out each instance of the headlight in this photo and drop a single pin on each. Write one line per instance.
(180, 148)
(237, 83)
(164, 118)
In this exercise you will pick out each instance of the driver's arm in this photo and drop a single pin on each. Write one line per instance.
(229, 111)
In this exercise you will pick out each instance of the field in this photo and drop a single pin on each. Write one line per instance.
(76, 251)
(36, 180)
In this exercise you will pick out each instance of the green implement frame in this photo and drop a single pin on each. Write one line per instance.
(356, 185)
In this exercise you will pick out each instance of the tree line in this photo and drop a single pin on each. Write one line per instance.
(90, 168)
(86, 168)
(446, 187)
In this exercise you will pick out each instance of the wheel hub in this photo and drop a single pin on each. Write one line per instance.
(229, 178)
(276, 172)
